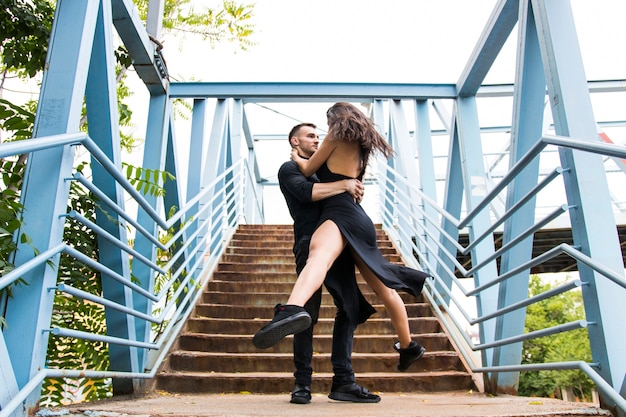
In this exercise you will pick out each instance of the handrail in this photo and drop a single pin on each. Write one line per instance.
(423, 234)
(210, 237)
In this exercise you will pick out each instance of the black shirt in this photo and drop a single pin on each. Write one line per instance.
(298, 192)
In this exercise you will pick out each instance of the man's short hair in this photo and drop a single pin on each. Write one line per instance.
(296, 128)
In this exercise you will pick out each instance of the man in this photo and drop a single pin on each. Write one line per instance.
(302, 195)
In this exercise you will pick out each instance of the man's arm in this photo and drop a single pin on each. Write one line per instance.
(293, 182)
(328, 189)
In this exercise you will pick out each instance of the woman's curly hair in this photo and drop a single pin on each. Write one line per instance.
(346, 123)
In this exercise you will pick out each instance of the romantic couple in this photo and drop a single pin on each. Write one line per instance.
(332, 233)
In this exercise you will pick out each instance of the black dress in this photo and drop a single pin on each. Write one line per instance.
(358, 229)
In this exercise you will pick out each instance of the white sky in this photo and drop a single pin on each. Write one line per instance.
(420, 41)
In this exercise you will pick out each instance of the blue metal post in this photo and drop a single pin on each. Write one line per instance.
(475, 190)
(154, 158)
(529, 97)
(254, 215)
(103, 120)
(452, 203)
(593, 224)
(45, 190)
(216, 162)
(405, 156)
(426, 165)
(196, 162)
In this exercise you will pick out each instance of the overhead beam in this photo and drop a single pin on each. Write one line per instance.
(498, 28)
(136, 40)
(307, 92)
(331, 92)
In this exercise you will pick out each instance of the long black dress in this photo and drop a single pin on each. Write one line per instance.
(358, 229)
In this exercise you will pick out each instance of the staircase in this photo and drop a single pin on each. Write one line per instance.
(215, 354)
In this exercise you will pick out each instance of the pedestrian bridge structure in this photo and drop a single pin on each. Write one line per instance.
(466, 203)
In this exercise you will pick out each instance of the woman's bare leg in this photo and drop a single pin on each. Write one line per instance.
(326, 245)
(393, 302)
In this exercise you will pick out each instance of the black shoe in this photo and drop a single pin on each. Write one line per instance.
(353, 393)
(288, 319)
(408, 355)
(301, 394)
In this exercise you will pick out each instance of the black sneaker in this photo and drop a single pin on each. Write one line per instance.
(288, 319)
(409, 354)
(353, 393)
(301, 394)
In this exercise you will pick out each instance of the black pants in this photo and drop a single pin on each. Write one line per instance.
(343, 330)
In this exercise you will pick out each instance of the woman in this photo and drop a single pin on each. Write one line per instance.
(344, 154)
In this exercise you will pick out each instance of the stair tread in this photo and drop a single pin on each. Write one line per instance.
(321, 375)
(256, 271)
(289, 355)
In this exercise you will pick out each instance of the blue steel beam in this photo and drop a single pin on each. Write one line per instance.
(426, 165)
(592, 220)
(405, 151)
(45, 190)
(527, 126)
(103, 120)
(474, 179)
(196, 158)
(497, 30)
(154, 158)
(131, 30)
(303, 92)
(362, 92)
(217, 155)
(452, 204)
(173, 200)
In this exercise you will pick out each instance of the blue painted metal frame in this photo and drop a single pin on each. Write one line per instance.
(593, 223)
(224, 189)
(528, 108)
(102, 114)
(46, 190)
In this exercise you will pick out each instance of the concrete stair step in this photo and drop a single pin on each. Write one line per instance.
(283, 362)
(282, 382)
(270, 299)
(322, 343)
(374, 326)
(215, 354)
(326, 311)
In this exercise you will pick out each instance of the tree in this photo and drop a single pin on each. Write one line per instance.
(569, 346)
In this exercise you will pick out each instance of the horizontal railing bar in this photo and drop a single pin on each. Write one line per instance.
(114, 171)
(532, 193)
(602, 148)
(579, 256)
(531, 230)
(578, 324)
(77, 334)
(19, 271)
(40, 143)
(528, 301)
(33, 384)
(68, 289)
(603, 386)
(111, 204)
(422, 195)
(209, 188)
(504, 182)
(112, 239)
(108, 272)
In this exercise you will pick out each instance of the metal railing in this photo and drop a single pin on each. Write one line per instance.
(415, 231)
(207, 222)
